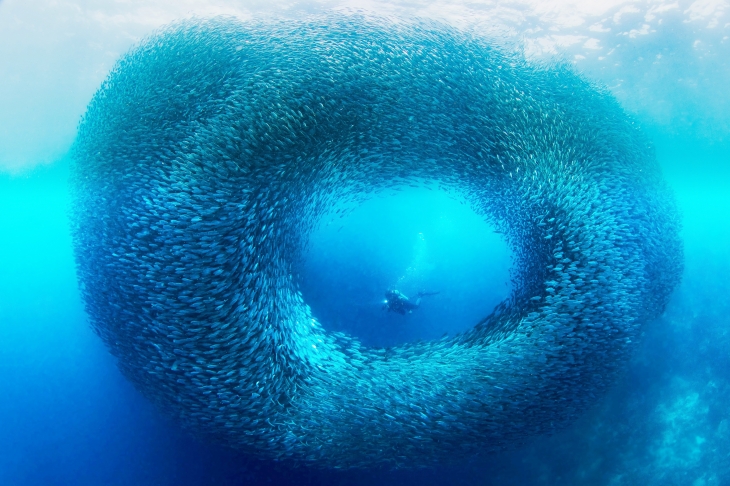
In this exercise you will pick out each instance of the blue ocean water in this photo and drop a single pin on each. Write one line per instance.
(69, 417)
(412, 240)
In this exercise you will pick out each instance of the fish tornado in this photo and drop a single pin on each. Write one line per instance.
(214, 149)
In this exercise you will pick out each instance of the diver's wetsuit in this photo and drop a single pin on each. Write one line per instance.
(399, 303)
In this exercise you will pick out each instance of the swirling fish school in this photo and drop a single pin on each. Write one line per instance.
(212, 149)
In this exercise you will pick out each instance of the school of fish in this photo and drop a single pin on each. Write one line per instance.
(213, 149)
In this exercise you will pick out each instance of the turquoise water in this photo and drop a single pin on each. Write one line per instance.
(69, 417)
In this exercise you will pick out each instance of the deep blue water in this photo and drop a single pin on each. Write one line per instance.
(411, 240)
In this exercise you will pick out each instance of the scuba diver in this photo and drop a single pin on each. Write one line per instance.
(398, 302)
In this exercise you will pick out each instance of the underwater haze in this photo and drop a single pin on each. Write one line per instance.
(69, 416)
